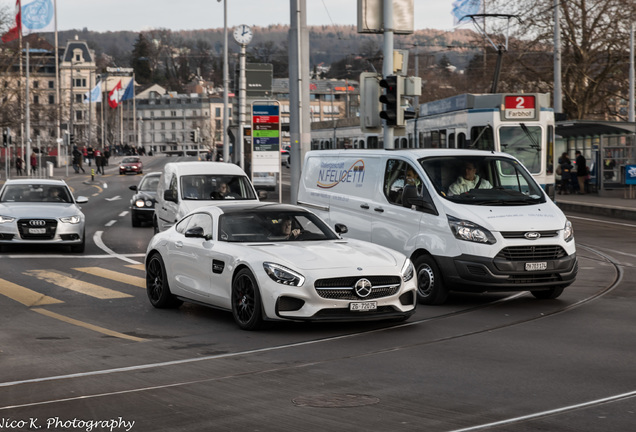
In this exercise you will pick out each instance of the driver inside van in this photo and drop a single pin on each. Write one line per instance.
(468, 180)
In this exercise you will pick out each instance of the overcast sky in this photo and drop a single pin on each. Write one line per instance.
(137, 15)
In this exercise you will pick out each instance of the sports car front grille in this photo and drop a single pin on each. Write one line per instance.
(49, 226)
(343, 288)
(531, 253)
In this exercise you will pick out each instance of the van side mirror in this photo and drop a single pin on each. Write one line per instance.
(133, 187)
(341, 228)
(170, 195)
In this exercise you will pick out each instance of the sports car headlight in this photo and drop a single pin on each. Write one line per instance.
(283, 275)
(6, 219)
(71, 219)
(408, 271)
(469, 231)
(568, 231)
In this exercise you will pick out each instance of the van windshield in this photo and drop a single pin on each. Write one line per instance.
(482, 180)
(216, 187)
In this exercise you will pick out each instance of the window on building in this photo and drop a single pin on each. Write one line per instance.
(163, 126)
(217, 112)
(173, 125)
(173, 113)
(36, 99)
(51, 84)
(79, 115)
(36, 84)
(51, 100)
(79, 98)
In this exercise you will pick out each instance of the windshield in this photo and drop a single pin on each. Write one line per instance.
(482, 180)
(149, 183)
(273, 226)
(36, 193)
(216, 187)
(524, 143)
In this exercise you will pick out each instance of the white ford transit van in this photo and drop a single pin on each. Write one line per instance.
(470, 220)
(185, 186)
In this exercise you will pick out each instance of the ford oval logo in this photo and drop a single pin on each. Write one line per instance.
(363, 288)
(533, 235)
(39, 223)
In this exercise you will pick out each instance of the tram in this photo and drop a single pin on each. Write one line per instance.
(522, 125)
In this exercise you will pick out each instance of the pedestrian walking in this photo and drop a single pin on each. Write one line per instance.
(34, 163)
(99, 162)
(18, 165)
(581, 171)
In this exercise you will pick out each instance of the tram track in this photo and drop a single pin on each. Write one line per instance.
(269, 370)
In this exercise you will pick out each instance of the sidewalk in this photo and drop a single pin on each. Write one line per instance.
(609, 203)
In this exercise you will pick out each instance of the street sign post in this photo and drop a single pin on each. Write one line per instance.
(266, 142)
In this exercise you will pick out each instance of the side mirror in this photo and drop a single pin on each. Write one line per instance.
(170, 195)
(133, 187)
(196, 232)
(341, 228)
(81, 200)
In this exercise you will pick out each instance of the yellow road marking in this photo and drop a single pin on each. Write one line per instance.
(141, 267)
(116, 276)
(24, 295)
(67, 282)
(87, 325)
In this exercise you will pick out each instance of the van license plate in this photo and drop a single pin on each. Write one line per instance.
(363, 306)
(37, 230)
(534, 266)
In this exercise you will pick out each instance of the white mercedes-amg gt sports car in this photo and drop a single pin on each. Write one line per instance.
(276, 262)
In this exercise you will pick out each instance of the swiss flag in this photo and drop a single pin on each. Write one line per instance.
(114, 96)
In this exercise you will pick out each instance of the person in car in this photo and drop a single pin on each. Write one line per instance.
(468, 180)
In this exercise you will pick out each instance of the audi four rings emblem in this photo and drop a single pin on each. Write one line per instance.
(39, 223)
(363, 288)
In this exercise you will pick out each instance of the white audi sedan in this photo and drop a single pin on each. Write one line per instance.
(268, 262)
(38, 212)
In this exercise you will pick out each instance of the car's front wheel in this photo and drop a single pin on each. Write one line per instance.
(431, 289)
(246, 301)
(157, 286)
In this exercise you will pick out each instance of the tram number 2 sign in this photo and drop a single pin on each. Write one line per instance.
(520, 107)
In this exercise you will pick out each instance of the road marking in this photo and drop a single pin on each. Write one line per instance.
(137, 267)
(87, 325)
(113, 275)
(24, 295)
(111, 223)
(50, 256)
(97, 238)
(115, 198)
(124, 213)
(72, 284)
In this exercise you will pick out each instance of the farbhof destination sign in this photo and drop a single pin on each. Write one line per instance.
(266, 127)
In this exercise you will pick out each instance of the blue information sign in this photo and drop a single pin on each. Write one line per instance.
(630, 174)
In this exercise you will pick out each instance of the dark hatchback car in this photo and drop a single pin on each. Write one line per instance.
(142, 204)
(131, 164)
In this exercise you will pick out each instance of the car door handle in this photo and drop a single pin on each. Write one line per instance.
(364, 206)
(178, 244)
(379, 209)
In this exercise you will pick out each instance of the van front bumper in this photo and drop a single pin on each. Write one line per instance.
(478, 274)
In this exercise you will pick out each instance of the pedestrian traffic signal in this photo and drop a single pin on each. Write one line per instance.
(391, 100)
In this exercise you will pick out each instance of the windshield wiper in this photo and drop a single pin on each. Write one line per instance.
(535, 145)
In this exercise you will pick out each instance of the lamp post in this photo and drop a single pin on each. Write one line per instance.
(226, 81)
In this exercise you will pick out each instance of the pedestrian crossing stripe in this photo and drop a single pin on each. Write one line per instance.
(141, 267)
(113, 275)
(67, 282)
(24, 295)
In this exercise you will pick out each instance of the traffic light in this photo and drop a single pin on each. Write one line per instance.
(192, 136)
(5, 137)
(71, 138)
(391, 100)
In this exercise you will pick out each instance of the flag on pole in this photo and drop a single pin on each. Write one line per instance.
(114, 96)
(14, 32)
(462, 8)
(94, 95)
(38, 16)
(129, 93)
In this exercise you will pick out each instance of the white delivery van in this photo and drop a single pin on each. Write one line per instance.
(470, 220)
(185, 186)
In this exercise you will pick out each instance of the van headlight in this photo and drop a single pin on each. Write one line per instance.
(469, 231)
(568, 231)
(71, 219)
(283, 275)
(408, 271)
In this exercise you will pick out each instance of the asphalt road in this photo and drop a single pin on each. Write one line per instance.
(82, 348)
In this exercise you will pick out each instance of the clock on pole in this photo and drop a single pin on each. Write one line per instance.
(243, 34)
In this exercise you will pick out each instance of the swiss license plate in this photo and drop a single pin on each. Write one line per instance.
(534, 266)
(363, 306)
(37, 230)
